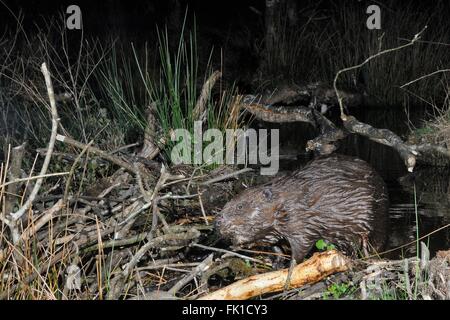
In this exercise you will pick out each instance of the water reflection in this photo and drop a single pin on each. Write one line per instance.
(431, 187)
(432, 184)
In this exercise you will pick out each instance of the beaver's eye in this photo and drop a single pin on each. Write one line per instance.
(240, 206)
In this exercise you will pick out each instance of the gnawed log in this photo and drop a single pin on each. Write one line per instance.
(287, 94)
(383, 136)
(329, 136)
(313, 270)
(277, 114)
(408, 152)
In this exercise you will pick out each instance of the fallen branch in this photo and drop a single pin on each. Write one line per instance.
(97, 152)
(46, 217)
(58, 174)
(198, 270)
(383, 136)
(330, 135)
(313, 270)
(315, 93)
(324, 144)
(150, 149)
(277, 114)
(226, 176)
(228, 252)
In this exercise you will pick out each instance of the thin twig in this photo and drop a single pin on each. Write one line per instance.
(229, 252)
(97, 152)
(72, 170)
(423, 77)
(35, 178)
(46, 217)
(407, 244)
(338, 95)
(226, 176)
(202, 267)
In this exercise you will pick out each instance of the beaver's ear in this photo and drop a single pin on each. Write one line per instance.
(268, 195)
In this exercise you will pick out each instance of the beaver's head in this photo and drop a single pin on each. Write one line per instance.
(248, 217)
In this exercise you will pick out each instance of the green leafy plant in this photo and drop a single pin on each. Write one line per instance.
(323, 245)
(338, 290)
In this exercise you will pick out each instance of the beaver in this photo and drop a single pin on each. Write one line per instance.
(337, 198)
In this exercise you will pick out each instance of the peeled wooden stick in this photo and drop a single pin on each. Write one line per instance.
(13, 224)
(313, 270)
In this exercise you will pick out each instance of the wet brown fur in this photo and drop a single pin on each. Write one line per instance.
(339, 199)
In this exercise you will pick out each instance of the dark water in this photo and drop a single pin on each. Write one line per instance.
(430, 186)
(426, 191)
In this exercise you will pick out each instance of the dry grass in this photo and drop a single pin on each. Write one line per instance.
(111, 113)
(90, 108)
(437, 129)
(326, 41)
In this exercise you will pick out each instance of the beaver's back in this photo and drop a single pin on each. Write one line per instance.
(339, 199)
